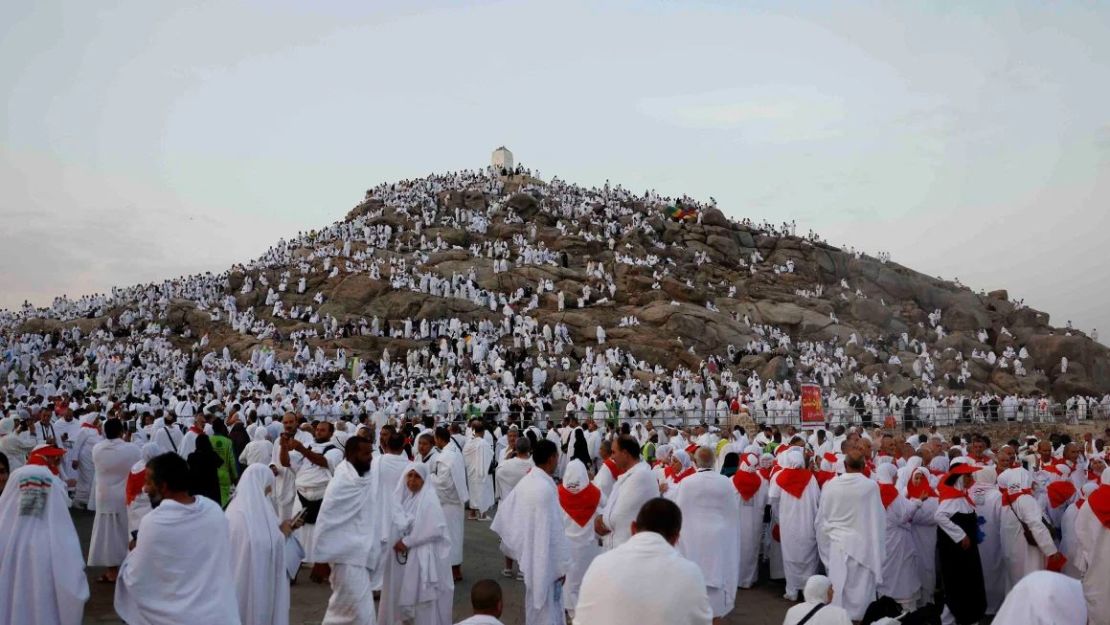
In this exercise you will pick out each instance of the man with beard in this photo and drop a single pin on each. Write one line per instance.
(167, 580)
(349, 537)
(313, 465)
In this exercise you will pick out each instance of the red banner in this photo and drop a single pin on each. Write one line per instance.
(813, 413)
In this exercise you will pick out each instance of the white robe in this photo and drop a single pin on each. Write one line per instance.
(750, 535)
(509, 473)
(449, 478)
(258, 551)
(925, 546)
(604, 480)
(528, 522)
(852, 540)
(40, 554)
(420, 591)
(478, 454)
(668, 588)
(1046, 598)
(583, 547)
(1021, 557)
(1094, 545)
(87, 439)
(988, 506)
(901, 571)
(161, 583)
(710, 507)
(259, 451)
(349, 537)
(113, 460)
(795, 516)
(630, 492)
(385, 471)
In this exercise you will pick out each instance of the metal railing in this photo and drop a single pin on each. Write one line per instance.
(941, 416)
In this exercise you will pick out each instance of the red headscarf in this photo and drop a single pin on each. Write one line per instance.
(1100, 504)
(747, 483)
(794, 481)
(888, 493)
(40, 455)
(923, 487)
(1059, 492)
(946, 492)
(580, 506)
(134, 486)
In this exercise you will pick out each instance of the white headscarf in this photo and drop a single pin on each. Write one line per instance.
(1014, 481)
(886, 473)
(663, 452)
(40, 555)
(418, 518)
(575, 477)
(792, 459)
(1044, 598)
(683, 458)
(148, 452)
(817, 589)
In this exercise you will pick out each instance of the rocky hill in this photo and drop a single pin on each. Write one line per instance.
(673, 293)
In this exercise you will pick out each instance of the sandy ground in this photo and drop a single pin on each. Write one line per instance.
(762, 605)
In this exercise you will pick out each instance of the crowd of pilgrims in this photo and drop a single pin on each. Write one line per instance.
(100, 406)
(858, 523)
(269, 299)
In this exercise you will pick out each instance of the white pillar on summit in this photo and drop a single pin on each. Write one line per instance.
(502, 159)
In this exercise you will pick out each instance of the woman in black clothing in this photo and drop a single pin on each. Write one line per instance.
(730, 464)
(203, 466)
(239, 439)
(581, 451)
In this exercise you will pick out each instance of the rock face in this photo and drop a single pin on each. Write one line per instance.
(699, 297)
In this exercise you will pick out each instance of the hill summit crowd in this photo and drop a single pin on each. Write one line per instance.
(233, 432)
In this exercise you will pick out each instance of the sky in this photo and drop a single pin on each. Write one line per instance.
(145, 140)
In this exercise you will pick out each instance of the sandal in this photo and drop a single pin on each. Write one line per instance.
(104, 579)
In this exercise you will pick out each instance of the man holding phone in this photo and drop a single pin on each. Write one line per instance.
(313, 464)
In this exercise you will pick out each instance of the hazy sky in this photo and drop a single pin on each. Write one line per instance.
(154, 139)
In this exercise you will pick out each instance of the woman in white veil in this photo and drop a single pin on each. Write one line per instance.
(258, 550)
(418, 588)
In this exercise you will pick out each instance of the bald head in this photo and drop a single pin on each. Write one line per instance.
(703, 458)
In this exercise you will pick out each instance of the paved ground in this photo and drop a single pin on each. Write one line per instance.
(762, 605)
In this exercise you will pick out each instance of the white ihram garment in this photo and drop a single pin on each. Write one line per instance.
(418, 592)
(113, 460)
(795, 517)
(1093, 536)
(667, 589)
(852, 540)
(710, 508)
(632, 490)
(449, 478)
(258, 550)
(164, 583)
(349, 538)
(40, 554)
(528, 522)
(478, 455)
